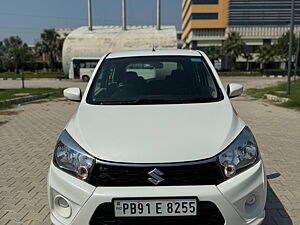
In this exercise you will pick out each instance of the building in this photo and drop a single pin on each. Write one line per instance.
(259, 22)
(82, 42)
(203, 18)
(64, 32)
(85, 44)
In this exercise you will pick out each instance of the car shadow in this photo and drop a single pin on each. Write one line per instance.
(273, 176)
(275, 211)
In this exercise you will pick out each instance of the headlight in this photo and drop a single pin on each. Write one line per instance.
(242, 153)
(70, 157)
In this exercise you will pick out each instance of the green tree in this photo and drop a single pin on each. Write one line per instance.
(282, 47)
(233, 47)
(265, 55)
(15, 52)
(248, 57)
(214, 53)
(19, 56)
(61, 41)
(51, 44)
(13, 41)
(1, 56)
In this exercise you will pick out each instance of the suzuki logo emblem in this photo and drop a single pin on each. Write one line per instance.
(155, 176)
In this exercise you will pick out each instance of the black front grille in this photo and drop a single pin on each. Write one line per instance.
(202, 173)
(208, 214)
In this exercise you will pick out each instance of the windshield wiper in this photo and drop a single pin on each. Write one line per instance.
(153, 101)
(140, 101)
(198, 100)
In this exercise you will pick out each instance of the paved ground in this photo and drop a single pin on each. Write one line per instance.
(28, 135)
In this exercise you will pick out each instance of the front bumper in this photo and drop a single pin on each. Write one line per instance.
(230, 196)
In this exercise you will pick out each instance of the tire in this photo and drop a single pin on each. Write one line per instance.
(86, 78)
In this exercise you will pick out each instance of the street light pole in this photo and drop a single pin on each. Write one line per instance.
(297, 58)
(90, 19)
(124, 22)
(288, 91)
(158, 19)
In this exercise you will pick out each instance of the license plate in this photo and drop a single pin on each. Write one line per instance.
(155, 207)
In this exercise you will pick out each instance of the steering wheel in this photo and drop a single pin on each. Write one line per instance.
(122, 88)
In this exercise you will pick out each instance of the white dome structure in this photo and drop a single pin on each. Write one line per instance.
(83, 42)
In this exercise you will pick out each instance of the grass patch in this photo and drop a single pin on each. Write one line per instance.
(13, 93)
(10, 94)
(280, 91)
(3, 107)
(240, 74)
(28, 75)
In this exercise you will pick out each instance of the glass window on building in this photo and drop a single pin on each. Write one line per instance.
(250, 48)
(267, 41)
(204, 16)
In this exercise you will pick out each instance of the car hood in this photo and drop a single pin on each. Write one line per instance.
(155, 133)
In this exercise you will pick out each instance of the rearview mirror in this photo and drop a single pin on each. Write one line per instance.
(73, 94)
(234, 90)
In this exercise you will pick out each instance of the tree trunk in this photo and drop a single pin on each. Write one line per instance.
(233, 66)
(17, 65)
(52, 61)
(23, 81)
(247, 65)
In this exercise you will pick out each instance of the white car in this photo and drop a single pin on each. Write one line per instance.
(162, 149)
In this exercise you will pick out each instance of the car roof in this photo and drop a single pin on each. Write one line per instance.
(159, 52)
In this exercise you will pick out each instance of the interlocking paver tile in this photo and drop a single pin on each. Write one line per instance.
(28, 138)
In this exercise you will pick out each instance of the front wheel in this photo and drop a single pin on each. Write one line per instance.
(85, 78)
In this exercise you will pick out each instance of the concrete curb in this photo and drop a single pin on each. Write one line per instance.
(26, 99)
(275, 98)
(10, 79)
(279, 76)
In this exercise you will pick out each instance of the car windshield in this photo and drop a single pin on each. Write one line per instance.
(154, 80)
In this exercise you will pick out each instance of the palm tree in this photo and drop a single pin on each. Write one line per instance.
(233, 47)
(214, 53)
(51, 45)
(265, 55)
(61, 41)
(248, 57)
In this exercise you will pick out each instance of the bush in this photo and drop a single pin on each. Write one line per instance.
(277, 72)
(29, 74)
(240, 74)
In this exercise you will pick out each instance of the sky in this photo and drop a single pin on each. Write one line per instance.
(28, 18)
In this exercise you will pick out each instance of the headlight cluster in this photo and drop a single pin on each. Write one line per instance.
(241, 153)
(70, 157)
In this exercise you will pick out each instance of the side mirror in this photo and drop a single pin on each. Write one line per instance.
(73, 94)
(234, 90)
